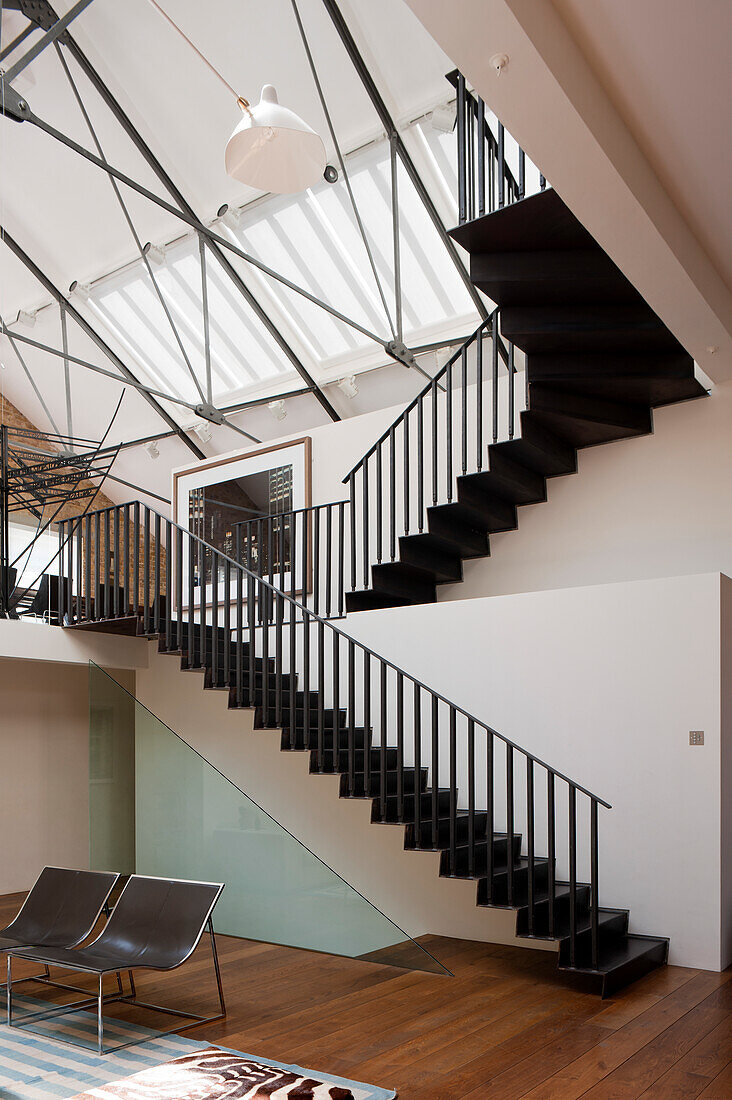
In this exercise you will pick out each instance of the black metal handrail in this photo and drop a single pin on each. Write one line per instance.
(356, 711)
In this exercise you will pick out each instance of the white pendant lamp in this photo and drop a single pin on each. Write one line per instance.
(272, 149)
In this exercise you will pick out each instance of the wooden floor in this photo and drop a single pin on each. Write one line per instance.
(506, 1026)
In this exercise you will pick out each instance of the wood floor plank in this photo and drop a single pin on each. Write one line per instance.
(505, 1027)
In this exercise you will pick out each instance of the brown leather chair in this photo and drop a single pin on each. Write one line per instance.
(156, 924)
(60, 911)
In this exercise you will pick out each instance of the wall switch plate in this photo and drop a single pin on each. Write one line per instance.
(696, 737)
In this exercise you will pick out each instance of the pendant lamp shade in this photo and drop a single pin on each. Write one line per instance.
(272, 149)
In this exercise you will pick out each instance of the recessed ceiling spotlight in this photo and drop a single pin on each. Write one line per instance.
(203, 431)
(79, 290)
(277, 408)
(229, 217)
(348, 386)
(155, 253)
(443, 119)
(712, 349)
(27, 318)
(330, 175)
(152, 449)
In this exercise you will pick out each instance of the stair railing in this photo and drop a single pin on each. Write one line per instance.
(426, 762)
(473, 401)
(312, 541)
(485, 180)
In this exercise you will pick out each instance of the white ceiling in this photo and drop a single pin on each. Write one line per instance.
(63, 211)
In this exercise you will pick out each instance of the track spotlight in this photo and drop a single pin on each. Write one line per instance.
(79, 290)
(203, 431)
(155, 253)
(229, 217)
(152, 449)
(277, 408)
(27, 318)
(348, 386)
(443, 119)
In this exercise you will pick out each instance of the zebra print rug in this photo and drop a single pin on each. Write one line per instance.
(216, 1074)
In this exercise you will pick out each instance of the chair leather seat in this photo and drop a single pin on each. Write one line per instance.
(97, 962)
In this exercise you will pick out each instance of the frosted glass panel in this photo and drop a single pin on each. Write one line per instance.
(191, 822)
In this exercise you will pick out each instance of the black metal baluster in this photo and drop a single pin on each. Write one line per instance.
(62, 557)
(509, 821)
(594, 885)
(501, 165)
(470, 156)
(551, 847)
(406, 501)
(464, 441)
(435, 769)
(341, 557)
(420, 463)
(168, 582)
(572, 875)
(156, 577)
(479, 402)
(179, 552)
(379, 502)
(471, 796)
(382, 738)
(494, 349)
(83, 561)
(253, 597)
(435, 478)
(265, 595)
(239, 653)
(146, 570)
(530, 837)
(293, 620)
(126, 557)
(511, 389)
(306, 620)
(191, 635)
(115, 561)
(336, 694)
(271, 571)
(352, 499)
(98, 604)
(365, 533)
(448, 428)
(453, 790)
(279, 610)
(352, 719)
(400, 750)
(321, 692)
(328, 557)
(522, 174)
(461, 122)
(106, 564)
(368, 732)
(315, 520)
(481, 157)
(202, 581)
(75, 609)
(417, 720)
(392, 494)
(489, 805)
(215, 619)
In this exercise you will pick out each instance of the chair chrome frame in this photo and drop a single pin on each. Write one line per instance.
(100, 999)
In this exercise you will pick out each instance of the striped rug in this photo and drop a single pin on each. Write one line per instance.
(36, 1067)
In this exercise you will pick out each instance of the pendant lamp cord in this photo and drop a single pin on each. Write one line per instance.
(243, 103)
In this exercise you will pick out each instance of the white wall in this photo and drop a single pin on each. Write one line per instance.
(604, 683)
(44, 784)
(654, 506)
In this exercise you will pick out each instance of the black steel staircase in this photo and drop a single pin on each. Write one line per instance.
(526, 834)
(597, 361)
